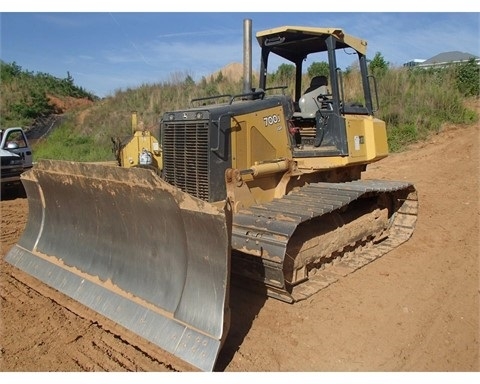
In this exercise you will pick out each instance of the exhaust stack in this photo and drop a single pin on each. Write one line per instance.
(247, 55)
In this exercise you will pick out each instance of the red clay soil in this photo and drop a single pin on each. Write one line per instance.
(64, 104)
(414, 309)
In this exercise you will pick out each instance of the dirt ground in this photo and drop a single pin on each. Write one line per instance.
(416, 309)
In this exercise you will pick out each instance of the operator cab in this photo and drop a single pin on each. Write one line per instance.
(318, 122)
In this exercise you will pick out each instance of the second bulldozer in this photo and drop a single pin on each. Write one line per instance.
(261, 185)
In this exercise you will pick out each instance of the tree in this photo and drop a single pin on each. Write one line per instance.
(69, 79)
(189, 82)
(352, 68)
(9, 71)
(285, 73)
(319, 69)
(378, 66)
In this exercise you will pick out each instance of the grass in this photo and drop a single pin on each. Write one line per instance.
(66, 143)
(413, 103)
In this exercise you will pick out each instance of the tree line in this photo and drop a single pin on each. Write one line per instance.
(414, 102)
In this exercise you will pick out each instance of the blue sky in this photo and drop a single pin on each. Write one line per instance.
(109, 48)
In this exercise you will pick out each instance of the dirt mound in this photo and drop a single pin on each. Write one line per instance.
(232, 72)
(64, 104)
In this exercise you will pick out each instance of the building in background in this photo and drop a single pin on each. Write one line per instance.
(443, 59)
(414, 62)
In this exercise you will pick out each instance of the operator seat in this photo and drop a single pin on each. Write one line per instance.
(309, 103)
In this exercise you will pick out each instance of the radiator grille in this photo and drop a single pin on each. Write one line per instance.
(185, 156)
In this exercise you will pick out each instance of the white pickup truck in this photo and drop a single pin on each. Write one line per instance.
(16, 155)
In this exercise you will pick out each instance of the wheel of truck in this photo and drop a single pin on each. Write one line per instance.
(12, 191)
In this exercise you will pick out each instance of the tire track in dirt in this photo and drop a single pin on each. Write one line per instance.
(89, 346)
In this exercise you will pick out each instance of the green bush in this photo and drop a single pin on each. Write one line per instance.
(423, 99)
(468, 78)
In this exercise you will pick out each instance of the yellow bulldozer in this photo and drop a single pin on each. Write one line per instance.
(259, 185)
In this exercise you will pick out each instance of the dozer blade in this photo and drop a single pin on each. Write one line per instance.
(133, 248)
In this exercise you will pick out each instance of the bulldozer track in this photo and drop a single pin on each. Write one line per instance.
(268, 228)
(400, 232)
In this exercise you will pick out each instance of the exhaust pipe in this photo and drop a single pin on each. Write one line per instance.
(247, 55)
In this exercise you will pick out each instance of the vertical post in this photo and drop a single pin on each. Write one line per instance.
(247, 55)
(134, 122)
